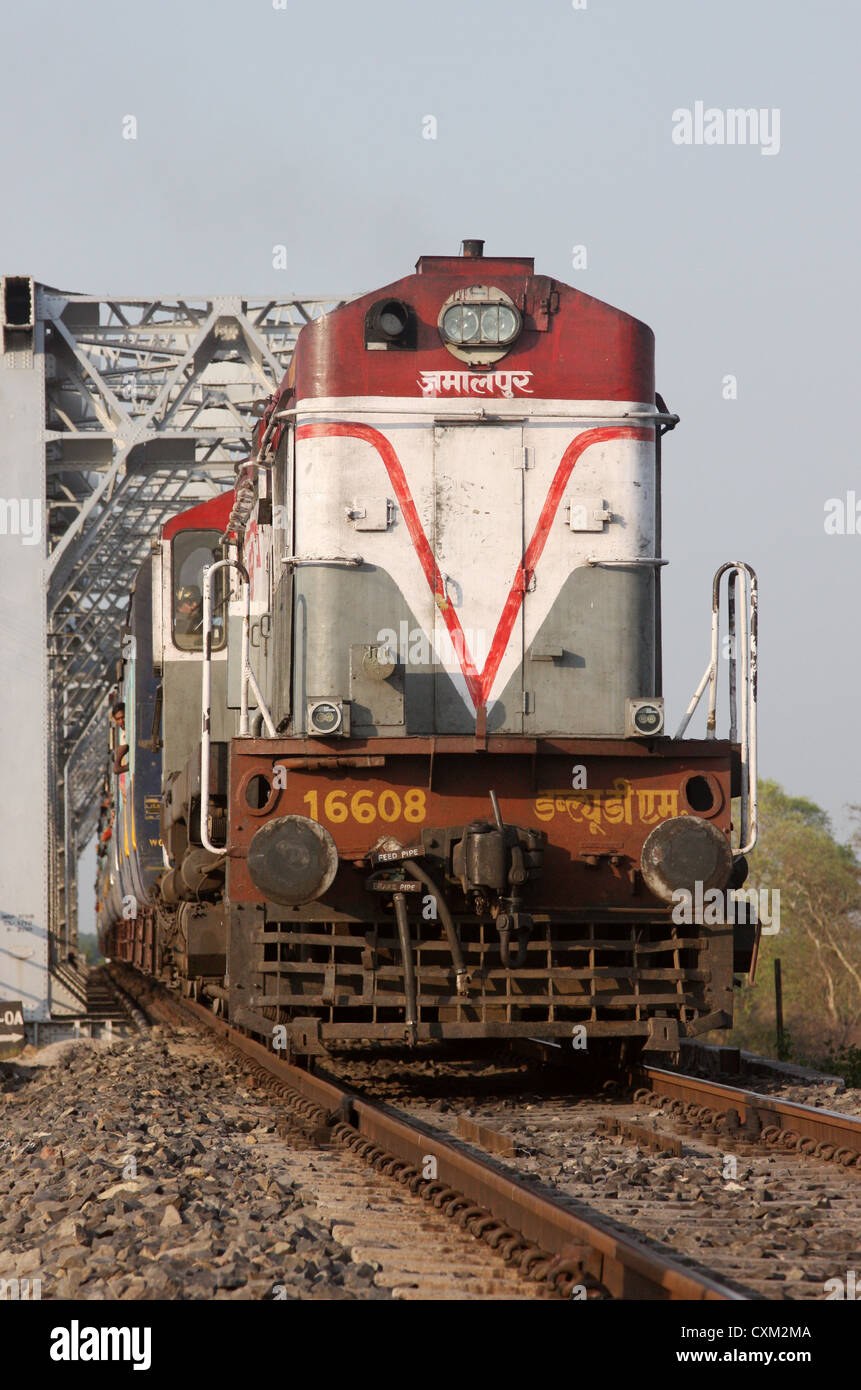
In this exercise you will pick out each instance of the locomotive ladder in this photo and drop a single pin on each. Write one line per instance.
(248, 679)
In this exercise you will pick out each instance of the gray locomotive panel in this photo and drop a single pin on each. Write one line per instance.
(601, 626)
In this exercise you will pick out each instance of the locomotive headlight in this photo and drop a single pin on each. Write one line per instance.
(460, 324)
(683, 852)
(498, 324)
(479, 324)
(292, 860)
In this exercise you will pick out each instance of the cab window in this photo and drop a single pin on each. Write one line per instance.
(192, 552)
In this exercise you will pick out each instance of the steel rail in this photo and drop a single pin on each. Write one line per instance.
(791, 1124)
(558, 1241)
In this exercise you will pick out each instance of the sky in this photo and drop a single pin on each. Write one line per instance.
(262, 124)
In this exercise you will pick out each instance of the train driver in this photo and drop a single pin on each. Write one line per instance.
(189, 610)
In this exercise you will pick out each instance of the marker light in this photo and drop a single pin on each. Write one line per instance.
(325, 717)
(648, 719)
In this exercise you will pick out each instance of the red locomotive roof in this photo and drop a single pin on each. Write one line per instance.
(576, 347)
(206, 516)
(465, 265)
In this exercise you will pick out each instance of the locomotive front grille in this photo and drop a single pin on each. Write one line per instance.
(611, 977)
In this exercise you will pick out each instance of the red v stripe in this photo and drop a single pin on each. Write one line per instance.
(417, 536)
(479, 685)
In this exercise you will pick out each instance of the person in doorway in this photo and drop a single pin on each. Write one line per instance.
(189, 610)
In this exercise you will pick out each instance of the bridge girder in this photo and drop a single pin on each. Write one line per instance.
(149, 405)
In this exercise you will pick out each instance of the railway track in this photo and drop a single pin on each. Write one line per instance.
(735, 1182)
(753, 1116)
(678, 1186)
(550, 1246)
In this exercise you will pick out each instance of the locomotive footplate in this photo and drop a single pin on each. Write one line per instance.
(516, 874)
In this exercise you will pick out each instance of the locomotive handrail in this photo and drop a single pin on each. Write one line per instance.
(634, 560)
(661, 417)
(741, 582)
(351, 561)
(248, 678)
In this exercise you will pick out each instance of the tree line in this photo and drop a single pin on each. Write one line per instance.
(819, 941)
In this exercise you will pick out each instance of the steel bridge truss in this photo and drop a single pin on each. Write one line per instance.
(149, 407)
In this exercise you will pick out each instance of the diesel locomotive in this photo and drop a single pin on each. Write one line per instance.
(388, 756)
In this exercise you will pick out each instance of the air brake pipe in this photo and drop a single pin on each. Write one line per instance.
(260, 459)
(460, 970)
(411, 1013)
(505, 930)
(505, 949)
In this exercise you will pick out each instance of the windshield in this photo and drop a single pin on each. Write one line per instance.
(192, 552)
